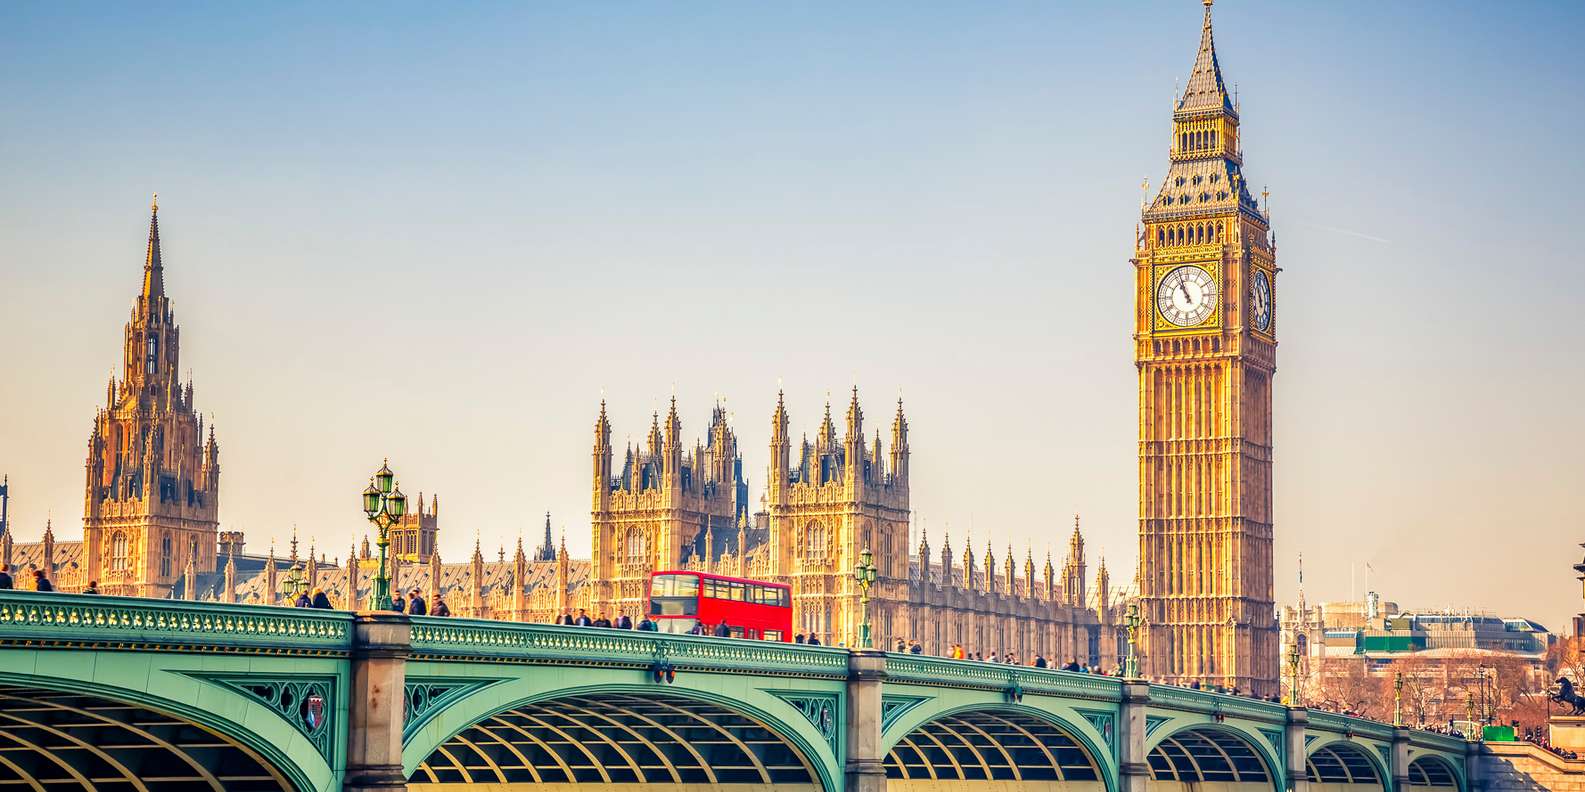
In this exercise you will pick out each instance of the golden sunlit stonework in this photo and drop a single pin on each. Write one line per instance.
(1205, 347)
(827, 499)
(151, 505)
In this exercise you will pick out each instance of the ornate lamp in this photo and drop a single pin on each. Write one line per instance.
(1133, 620)
(1397, 698)
(384, 505)
(864, 575)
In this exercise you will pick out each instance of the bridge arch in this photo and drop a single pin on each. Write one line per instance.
(1212, 755)
(991, 744)
(611, 734)
(95, 736)
(1341, 766)
(1433, 773)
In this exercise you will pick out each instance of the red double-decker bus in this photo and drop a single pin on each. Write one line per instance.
(681, 601)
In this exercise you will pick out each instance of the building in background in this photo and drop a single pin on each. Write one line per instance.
(1353, 652)
(151, 498)
(1205, 347)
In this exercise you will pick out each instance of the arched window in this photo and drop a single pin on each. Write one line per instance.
(815, 542)
(165, 556)
(635, 547)
(118, 552)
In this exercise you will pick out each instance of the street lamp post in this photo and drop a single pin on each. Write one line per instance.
(1397, 698)
(384, 505)
(1294, 697)
(1132, 621)
(864, 576)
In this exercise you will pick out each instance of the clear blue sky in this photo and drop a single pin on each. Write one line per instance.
(438, 231)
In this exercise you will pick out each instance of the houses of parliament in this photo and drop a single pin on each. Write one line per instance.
(1204, 273)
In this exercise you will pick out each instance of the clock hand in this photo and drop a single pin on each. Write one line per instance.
(1184, 287)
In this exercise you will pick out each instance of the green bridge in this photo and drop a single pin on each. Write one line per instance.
(112, 693)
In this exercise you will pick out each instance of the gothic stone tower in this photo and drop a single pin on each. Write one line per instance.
(153, 480)
(841, 498)
(664, 507)
(1205, 346)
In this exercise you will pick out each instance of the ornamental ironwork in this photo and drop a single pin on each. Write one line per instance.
(308, 703)
(820, 709)
(425, 697)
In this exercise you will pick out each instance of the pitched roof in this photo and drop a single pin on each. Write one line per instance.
(1205, 90)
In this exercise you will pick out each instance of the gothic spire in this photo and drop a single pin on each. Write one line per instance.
(1205, 90)
(153, 269)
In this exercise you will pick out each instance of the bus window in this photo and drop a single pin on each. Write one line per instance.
(677, 626)
(674, 595)
(773, 635)
(737, 591)
(674, 586)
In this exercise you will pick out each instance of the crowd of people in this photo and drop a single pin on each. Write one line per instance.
(1540, 737)
(414, 604)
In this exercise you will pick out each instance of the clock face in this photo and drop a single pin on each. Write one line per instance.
(1260, 300)
(1186, 296)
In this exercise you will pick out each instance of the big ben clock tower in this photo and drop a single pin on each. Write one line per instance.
(1205, 345)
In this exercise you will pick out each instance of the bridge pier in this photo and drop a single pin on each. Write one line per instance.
(1293, 744)
(1400, 758)
(1132, 766)
(380, 646)
(865, 770)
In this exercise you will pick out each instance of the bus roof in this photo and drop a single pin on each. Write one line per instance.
(708, 576)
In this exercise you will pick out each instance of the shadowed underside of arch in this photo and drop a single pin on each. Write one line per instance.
(1432, 773)
(618, 740)
(955, 751)
(1199, 756)
(1343, 763)
(68, 741)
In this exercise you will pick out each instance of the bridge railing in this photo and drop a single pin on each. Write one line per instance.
(940, 671)
(1211, 703)
(31, 618)
(1322, 720)
(450, 638)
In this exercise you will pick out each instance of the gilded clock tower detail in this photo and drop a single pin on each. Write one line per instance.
(1205, 346)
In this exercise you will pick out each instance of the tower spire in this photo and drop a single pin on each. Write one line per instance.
(1206, 90)
(153, 269)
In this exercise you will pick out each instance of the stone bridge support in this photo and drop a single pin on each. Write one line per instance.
(865, 770)
(1400, 757)
(1293, 744)
(380, 646)
(1132, 766)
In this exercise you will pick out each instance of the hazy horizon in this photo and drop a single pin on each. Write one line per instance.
(441, 235)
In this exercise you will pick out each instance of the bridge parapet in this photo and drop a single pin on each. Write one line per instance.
(1206, 702)
(941, 672)
(78, 621)
(516, 642)
(1348, 725)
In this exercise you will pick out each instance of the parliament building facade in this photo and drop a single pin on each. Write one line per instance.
(1205, 338)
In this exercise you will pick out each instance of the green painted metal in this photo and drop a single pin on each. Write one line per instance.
(243, 671)
(894, 707)
(942, 672)
(493, 641)
(1244, 730)
(422, 697)
(131, 622)
(1070, 721)
(171, 683)
(1334, 723)
(764, 699)
(290, 696)
(819, 708)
